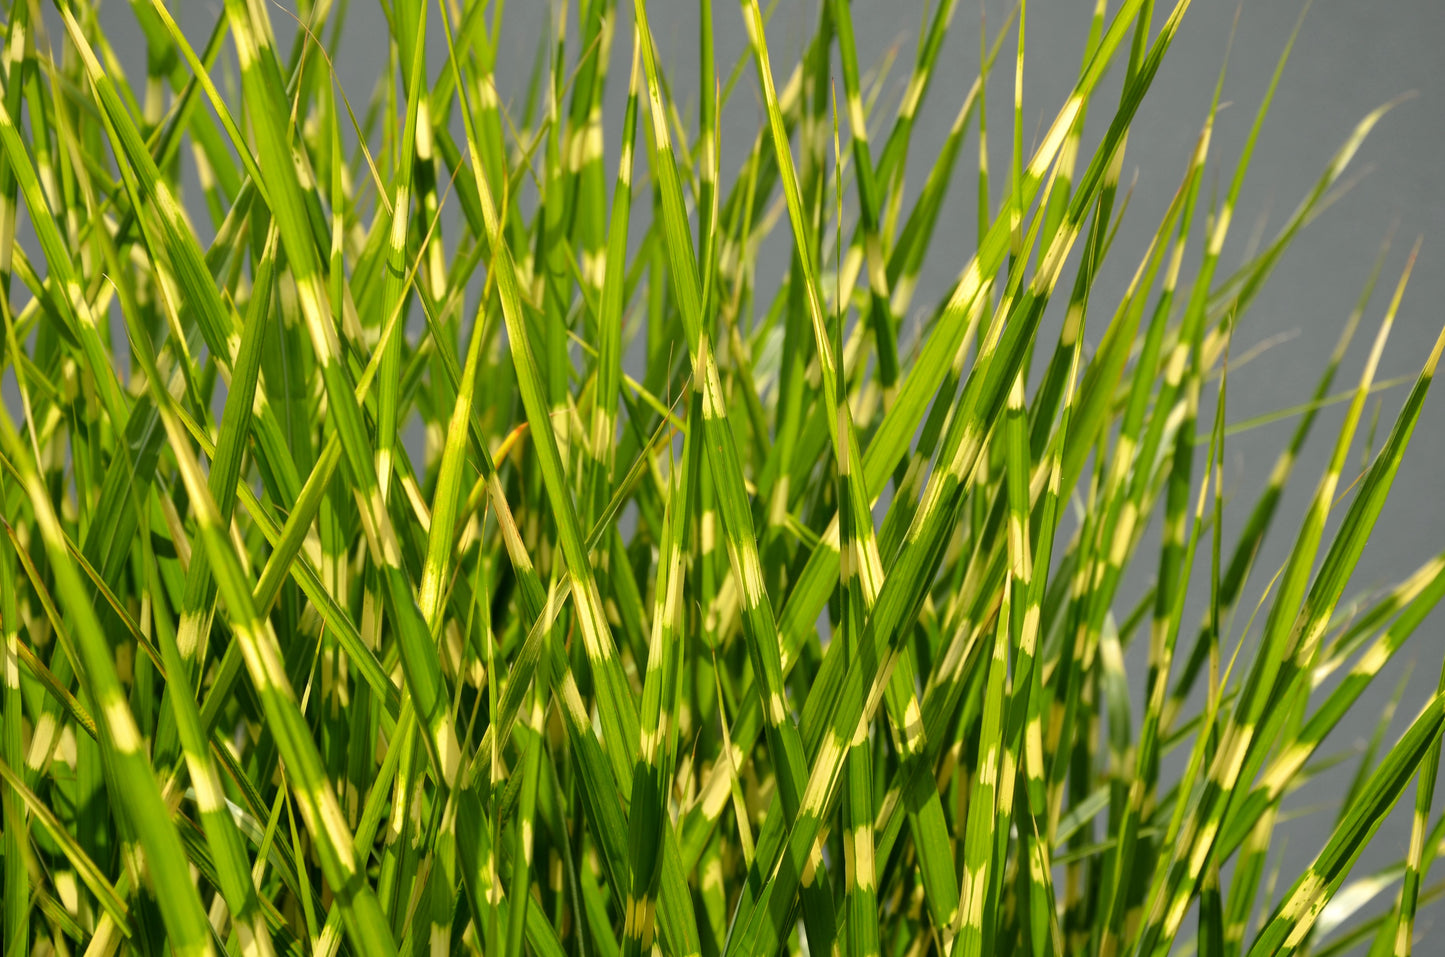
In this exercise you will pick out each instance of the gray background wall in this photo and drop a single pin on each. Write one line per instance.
(1351, 57)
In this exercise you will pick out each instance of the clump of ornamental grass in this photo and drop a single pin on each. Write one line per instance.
(704, 616)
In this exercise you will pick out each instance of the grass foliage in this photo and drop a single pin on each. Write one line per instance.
(714, 618)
